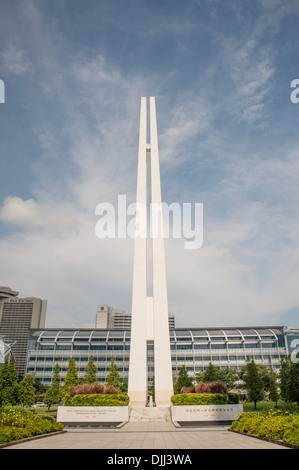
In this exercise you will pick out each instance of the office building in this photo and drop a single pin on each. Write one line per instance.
(195, 348)
(17, 317)
(110, 318)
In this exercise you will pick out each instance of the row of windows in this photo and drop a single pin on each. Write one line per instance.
(177, 347)
(224, 346)
(80, 369)
(84, 340)
(212, 357)
(67, 347)
(82, 359)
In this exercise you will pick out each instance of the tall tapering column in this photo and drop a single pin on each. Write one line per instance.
(137, 384)
(149, 313)
(162, 357)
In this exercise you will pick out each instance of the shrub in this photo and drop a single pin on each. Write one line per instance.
(111, 390)
(205, 399)
(96, 400)
(16, 423)
(200, 399)
(87, 389)
(211, 387)
(273, 425)
(187, 390)
(233, 398)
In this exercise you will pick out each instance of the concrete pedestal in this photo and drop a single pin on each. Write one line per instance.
(149, 414)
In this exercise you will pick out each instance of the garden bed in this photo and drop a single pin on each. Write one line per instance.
(280, 426)
(17, 423)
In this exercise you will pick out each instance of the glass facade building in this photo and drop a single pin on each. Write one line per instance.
(195, 348)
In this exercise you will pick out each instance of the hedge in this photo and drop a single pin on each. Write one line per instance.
(96, 400)
(279, 425)
(16, 423)
(205, 399)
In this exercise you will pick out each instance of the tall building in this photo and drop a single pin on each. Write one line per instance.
(17, 317)
(149, 312)
(111, 318)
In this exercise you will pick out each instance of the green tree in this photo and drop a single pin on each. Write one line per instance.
(8, 383)
(124, 384)
(294, 382)
(27, 390)
(54, 392)
(253, 382)
(90, 372)
(113, 377)
(183, 380)
(40, 389)
(228, 376)
(284, 377)
(272, 387)
(264, 373)
(211, 374)
(71, 375)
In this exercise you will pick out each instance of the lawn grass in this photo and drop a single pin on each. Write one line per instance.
(270, 405)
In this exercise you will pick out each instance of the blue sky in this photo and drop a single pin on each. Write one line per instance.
(74, 72)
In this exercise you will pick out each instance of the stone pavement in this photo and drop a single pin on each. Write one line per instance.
(161, 435)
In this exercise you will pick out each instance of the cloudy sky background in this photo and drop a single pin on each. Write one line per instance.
(74, 72)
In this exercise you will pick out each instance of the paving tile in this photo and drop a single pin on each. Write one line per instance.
(148, 436)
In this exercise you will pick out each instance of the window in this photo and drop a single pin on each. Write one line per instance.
(281, 341)
(235, 346)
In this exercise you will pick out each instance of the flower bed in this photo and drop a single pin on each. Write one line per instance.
(279, 425)
(16, 423)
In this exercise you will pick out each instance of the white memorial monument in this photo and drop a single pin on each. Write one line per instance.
(149, 312)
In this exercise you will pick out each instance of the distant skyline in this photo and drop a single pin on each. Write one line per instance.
(74, 72)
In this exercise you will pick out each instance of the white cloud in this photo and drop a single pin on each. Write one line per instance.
(31, 215)
(246, 270)
(15, 60)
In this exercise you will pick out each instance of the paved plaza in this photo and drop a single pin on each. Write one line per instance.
(148, 436)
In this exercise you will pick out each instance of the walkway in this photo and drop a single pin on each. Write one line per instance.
(148, 436)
